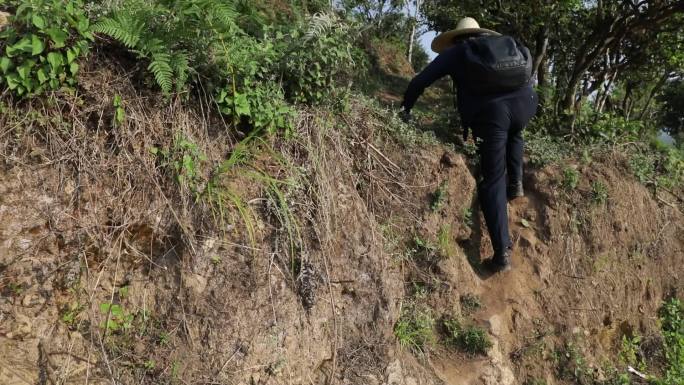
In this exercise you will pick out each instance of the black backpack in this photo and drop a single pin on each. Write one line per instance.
(496, 64)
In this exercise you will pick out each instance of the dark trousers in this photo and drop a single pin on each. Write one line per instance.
(498, 128)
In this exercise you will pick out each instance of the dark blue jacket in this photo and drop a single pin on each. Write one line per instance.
(451, 62)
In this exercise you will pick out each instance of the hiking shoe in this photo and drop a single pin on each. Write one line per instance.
(515, 190)
(496, 266)
(499, 263)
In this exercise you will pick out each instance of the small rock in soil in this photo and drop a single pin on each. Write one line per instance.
(72, 274)
(32, 299)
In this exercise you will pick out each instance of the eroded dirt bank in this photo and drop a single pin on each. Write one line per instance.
(111, 273)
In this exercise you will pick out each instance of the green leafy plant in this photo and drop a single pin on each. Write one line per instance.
(324, 55)
(182, 39)
(41, 46)
(169, 34)
(118, 318)
(629, 352)
(672, 326)
(467, 216)
(599, 192)
(164, 338)
(612, 128)
(446, 247)
(572, 365)
(570, 178)
(543, 149)
(261, 104)
(670, 167)
(184, 159)
(439, 197)
(414, 329)
(642, 166)
(422, 250)
(470, 149)
(119, 111)
(70, 313)
(470, 303)
(15, 288)
(123, 291)
(175, 368)
(469, 339)
(659, 166)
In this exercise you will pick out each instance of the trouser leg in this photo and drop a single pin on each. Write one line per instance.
(521, 110)
(514, 157)
(493, 138)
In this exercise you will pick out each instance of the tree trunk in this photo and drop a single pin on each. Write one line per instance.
(629, 88)
(414, 22)
(601, 103)
(542, 83)
(570, 94)
(412, 37)
(654, 91)
(540, 49)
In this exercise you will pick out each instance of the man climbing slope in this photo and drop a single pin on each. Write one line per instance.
(492, 75)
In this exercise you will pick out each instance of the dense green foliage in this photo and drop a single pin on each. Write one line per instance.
(319, 54)
(658, 166)
(672, 99)
(672, 320)
(193, 42)
(40, 47)
(158, 33)
(393, 21)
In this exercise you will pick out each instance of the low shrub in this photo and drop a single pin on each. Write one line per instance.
(40, 48)
(571, 178)
(672, 326)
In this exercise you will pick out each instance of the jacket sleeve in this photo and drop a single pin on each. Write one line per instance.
(440, 67)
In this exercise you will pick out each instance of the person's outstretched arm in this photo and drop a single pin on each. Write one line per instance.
(440, 67)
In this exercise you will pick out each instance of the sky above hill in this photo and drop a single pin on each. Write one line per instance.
(426, 40)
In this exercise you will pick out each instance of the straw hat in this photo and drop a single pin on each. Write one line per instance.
(465, 26)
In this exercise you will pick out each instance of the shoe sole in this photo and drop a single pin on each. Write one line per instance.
(496, 268)
(514, 197)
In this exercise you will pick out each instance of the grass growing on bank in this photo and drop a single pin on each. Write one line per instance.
(469, 339)
(415, 328)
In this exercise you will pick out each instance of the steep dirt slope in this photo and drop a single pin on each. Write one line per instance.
(111, 273)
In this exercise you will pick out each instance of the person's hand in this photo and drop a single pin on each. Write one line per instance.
(405, 116)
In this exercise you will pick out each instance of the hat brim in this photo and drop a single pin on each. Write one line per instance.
(446, 39)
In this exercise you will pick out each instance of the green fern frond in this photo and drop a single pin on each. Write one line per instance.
(225, 13)
(180, 64)
(222, 10)
(152, 45)
(320, 24)
(160, 66)
(124, 28)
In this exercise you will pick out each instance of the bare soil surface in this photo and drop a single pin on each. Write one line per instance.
(303, 281)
